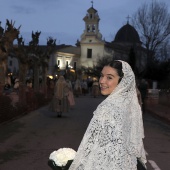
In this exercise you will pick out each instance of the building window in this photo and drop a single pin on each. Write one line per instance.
(66, 64)
(88, 28)
(10, 63)
(58, 62)
(75, 65)
(91, 16)
(89, 53)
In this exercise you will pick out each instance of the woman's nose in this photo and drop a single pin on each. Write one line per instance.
(101, 80)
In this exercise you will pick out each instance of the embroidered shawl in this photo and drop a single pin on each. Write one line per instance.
(114, 137)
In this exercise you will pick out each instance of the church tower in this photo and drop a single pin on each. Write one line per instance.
(92, 45)
(91, 25)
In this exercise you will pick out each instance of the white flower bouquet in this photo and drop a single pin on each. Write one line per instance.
(61, 159)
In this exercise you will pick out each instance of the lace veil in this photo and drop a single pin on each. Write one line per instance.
(114, 137)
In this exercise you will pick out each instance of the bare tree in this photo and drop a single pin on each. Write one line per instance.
(163, 52)
(153, 24)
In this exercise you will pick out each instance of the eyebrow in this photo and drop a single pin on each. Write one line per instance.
(109, 74)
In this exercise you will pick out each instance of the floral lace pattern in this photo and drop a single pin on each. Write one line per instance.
(114, 137)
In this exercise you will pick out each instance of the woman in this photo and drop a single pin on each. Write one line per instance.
(95, 89)
(70, 94)
(114, 137)
(59, 103)
(16, 85)
(77, 88)
(84, 87)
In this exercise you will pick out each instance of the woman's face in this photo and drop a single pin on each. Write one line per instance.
(108, 80)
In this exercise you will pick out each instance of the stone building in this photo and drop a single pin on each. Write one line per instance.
(91, 47)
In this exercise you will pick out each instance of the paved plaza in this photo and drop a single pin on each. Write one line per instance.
(27, 142)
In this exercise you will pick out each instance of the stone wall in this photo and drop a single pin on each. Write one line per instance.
(153, 96)
(161, 96)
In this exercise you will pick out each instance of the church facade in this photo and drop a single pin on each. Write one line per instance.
(91, 47)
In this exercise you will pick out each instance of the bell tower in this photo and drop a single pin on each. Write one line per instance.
(91, 43)
(91, 24)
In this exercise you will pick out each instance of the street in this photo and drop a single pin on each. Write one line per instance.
(26, 143)
(157, 142)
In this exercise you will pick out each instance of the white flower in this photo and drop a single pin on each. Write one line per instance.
(62, 156)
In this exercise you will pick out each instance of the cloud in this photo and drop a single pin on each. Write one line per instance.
(63, 19)
(23, 10)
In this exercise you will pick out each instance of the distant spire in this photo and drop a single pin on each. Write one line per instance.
(92, 3)
(128, 18)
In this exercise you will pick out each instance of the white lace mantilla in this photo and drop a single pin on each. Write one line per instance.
(114, 137)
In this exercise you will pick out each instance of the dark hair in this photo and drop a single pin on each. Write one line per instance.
(118, 66)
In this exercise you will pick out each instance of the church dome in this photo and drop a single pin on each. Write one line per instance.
(127, 33)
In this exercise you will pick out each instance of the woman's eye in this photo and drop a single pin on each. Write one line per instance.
(109, 78)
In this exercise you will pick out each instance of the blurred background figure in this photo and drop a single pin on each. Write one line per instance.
(70, 94)
(143, 88)
(59, 103)
(77, 88)
(16, 85)
(89, 84)
(95, 89)
(7, 89)
(50, 88)
(84, 87)
(29, 83)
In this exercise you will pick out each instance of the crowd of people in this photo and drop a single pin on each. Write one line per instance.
(11, 85)
(64, 92)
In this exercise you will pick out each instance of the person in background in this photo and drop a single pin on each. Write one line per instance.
(84, 87)
(95, 89)
(59, 103)
(51, 85)
(89, 84)
(7, 89)
(143, 88)
(70, 94)
(16, 86)
(114, 137)
(77, 88)
(29, 83)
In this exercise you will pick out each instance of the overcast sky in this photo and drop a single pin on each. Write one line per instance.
(63, 19)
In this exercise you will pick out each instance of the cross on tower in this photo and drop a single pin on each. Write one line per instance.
(128, 17)
(92, 3)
